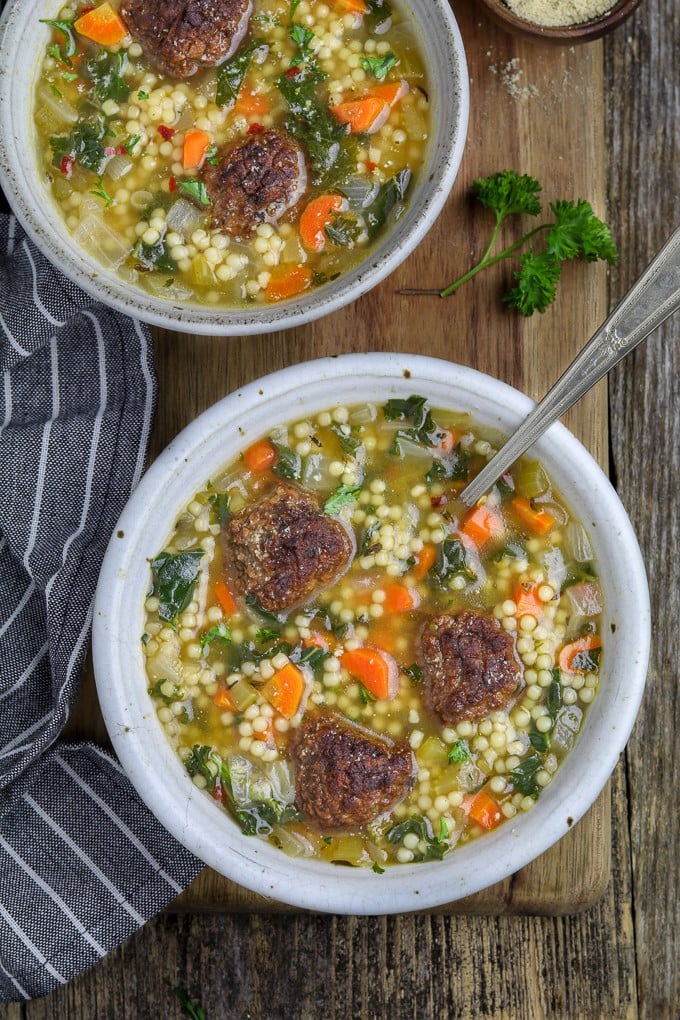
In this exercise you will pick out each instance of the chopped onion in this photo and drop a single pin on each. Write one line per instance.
(141, 199)
(118, 166)
(363, 415)
(166, 664)
(183, 217)
(167, 287)
(51, 108)
(360, 191)
(99, 240)
(316, 474)
(567, 725)
(555, 567)
(578, 543)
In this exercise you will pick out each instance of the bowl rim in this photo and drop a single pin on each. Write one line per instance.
(32, 204)
(584, 31)
(189, 814)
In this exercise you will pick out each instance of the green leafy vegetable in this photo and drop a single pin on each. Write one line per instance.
(343, 230)
(436, 847)
(523, 777)
(101, 192)
(84, 144)
(389, 197)
(414, 672)
(574, 232)
(378, 870)
(154, 256)
(343, 496)
(265, 634)
(66, 29)
(189, 1008)
(142, 94)
(132, 143)
(220, 632)
(167, 690)
(211, 155)
(459, 752)
(367, 542)
(452, 561)
(251, 600)
(378, 66)
(197, 190)
(288, 464)
(219, 501)
(105, 71)
(454, 465)
(379, 12)
(174, 579)
(413, 409)
(314, 657)
(331, 149)
(348, 442)
(231, 74)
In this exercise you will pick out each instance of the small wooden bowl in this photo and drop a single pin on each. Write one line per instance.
(583, 32)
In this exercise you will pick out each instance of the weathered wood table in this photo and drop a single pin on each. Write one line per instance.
(589, 929)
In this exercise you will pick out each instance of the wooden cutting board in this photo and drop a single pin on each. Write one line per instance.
(535, 108)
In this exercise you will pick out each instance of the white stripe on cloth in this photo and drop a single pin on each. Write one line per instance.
(36, 297)
(11, 233)
(94, 446)
(44, 452)
(108, 760)
(21, 934)
(117, 821)
(12, 339)
(27, 674)
(7, 386)
(56, 899)
(20, 607)
(20, 988)
(86, 860)
(11, 746)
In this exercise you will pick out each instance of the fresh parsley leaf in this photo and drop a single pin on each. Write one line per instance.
(101, 192)
(379, 66)
(167, 690)
(154, 256)
(211, 155)
(574, 232)
(69, 76)
(105, 71)
(265, 634)
(343, 496)
(142, 94)
(174, 579)
(220, 632)
(459, 752)
(301, 36)
(197, 190)
(523, 777)
(132, 143)
(219, 501)
(378, 870)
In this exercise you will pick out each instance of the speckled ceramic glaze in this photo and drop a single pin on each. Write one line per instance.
(22, 43)
(214, 439)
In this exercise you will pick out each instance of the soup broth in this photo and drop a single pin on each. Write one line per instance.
(351, 662)
(246, 182)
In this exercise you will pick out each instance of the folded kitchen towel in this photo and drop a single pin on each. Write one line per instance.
(83, 863)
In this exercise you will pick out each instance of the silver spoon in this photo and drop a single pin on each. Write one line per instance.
(654, 297)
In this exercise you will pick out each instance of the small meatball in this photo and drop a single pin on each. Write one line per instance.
(284, 547)
(469, 666)
(345, 775)
(181, 37)
(255, 181)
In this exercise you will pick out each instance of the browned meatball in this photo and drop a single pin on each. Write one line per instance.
(255, 181)
(469, 665)
(181, 36)
(346, 776)
(284, 547)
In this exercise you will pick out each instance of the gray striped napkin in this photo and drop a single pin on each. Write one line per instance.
(83, 863)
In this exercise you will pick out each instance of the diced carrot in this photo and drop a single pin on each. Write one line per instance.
(102, 25)
(448, 439)
(390, 91)
(364, 116)
(400, 599)
(260, 456)
(315, 217)
(424, 560)
(350, 6)
(525, 597)
(316, 640)
(284, 690)
(196, 143)
(225, 598)
(539, 521)
(573, 657)
(223, 700)
(383, 635)
(481, 523)
(288, 282)
(376, 670)
(252, 104)
(483, 809)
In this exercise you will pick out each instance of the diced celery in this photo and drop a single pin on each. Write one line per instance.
(432, 752)
(243, 694)
(349, 849)
(531, 480)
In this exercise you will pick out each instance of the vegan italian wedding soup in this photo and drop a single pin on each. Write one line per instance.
(350, 662)
(234, 152)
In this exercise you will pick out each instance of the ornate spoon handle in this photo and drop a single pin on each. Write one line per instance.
(654, 297)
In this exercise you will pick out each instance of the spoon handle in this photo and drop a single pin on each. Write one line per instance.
(654, 297)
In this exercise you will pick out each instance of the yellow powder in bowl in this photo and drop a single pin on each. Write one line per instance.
(559, 13)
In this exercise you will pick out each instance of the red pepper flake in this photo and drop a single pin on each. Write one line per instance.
(439, 500)
(86, 10)
(66, 165)
(371, 166)
(292, 72)
(165, 132)
(120, 150)
(172, 184)
(255, 129)
(217, 793)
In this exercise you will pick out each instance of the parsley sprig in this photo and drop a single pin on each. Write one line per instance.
(574, 232)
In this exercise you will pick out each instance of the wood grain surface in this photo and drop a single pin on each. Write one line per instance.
(555, 114)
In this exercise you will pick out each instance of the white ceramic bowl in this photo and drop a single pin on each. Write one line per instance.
(22, 45)
(211, 441)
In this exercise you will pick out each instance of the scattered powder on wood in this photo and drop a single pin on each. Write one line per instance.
(559, 13)
(510, 75)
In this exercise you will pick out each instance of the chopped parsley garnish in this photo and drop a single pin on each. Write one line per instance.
(105, 71)
(154, 256)
(66, 29)
(101, 192)
(436, 846)
(167, 690)
(523, 777)
(197, 190)
(220, 632)
(378, 66)
(288, 464)
(414, 672)
(331, 149)
(132, 143)
(84, 144)
(459, 752)
(343, 496)
(219, 501)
